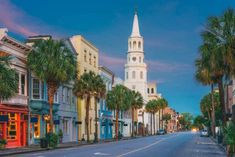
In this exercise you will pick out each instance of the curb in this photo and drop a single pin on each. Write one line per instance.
(68, 146)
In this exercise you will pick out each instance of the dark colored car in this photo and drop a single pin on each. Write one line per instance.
(161, 132)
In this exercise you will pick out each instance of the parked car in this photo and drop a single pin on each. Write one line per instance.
(161, 132)
(204, 133)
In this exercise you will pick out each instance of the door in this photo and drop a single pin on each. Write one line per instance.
(22, 133)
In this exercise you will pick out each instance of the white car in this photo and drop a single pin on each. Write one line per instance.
(204, 133)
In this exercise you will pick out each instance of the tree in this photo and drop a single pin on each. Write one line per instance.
(186, 120)
(51, 61)
(199, 121)
(152, 107)
(99, 92)
(166, 117)
(163, 104)
(217, 51)
(87, 86)
(117, 99)
(136, 102)
(8, 79)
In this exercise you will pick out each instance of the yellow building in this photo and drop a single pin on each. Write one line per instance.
(87, 60)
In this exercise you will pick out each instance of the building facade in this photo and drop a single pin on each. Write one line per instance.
(87, 60)
(136, 69)
(14, 112)
(105, 115)
(154, 95)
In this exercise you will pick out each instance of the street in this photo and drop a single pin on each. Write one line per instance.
(184, 144)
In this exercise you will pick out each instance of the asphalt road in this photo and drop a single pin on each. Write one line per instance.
(184, 144)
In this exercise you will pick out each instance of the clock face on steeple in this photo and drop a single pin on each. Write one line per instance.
(134, 59)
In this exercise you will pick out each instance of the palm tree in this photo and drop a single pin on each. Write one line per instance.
(51, 61)
(151, 108)
(156, 109)
(204, 76)
(8, 79)
(99, 92)
(136, 102)
(87, 86)
(163, 104)
(217, 50)
(117, 99)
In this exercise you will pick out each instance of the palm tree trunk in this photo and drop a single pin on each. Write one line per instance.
(143, 133)
(159, 119)
(154, 130)
(151, 123)
(116, 124)
(87, 118)
(96, 123)
(213, 111)
(51, 90)
(221, 95)
(162, 120)
(132, 114)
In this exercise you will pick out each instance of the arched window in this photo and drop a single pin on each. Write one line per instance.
(134, 44)
(139, 45)
(141, 75)
(130, 45)
(140, 59)
(133, 74)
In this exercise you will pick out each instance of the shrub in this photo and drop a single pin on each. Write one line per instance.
(3, 142)
(52, 139)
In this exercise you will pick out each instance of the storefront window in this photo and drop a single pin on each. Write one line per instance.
(12, 126)
(37, 128)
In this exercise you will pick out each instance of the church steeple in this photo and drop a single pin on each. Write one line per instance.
(135, 27)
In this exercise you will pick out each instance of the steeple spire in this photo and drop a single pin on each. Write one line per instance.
(135, 27)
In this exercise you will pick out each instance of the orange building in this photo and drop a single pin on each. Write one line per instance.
(14, 112)
(170, 125)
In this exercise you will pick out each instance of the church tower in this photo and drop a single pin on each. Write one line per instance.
(135, 68)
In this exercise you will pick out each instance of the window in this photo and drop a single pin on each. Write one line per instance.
(90, 58)
(65, 127)
(130, 45)
(140, 59)
(17, 77)
(141, 75)
(152, 90)
(134, 44)
(148, 90)
(94, 61)
(68, 97)
(56, 97)
(127, 75)
(139, 45)
(64, 94)
(12, 126)
(37, 128)
(85, 58)
(22, 84)
(85, 70)
(133, 74)
(36, 89)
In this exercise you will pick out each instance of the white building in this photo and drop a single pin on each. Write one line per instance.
(136, 68)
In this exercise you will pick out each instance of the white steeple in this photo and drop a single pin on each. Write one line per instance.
(135, 27)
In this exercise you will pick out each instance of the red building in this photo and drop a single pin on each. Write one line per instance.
(14, 112)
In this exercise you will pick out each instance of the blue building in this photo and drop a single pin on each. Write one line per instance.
(105, 115)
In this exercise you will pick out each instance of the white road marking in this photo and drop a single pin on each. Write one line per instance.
(103, 154)
(142, 148)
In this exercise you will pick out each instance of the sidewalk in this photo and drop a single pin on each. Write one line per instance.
(36, 148)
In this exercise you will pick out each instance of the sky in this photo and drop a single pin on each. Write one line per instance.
(171, 31)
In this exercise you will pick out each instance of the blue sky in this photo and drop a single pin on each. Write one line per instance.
(171, 31)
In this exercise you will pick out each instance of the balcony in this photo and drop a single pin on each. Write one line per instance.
(17, 100)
